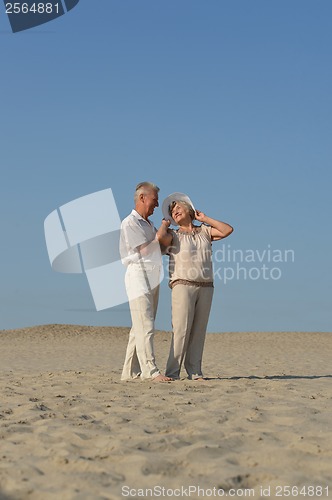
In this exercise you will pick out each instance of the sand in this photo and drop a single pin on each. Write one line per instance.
(69, 429)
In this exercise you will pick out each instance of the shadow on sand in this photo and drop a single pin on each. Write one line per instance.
(5, 496)
(271, 377)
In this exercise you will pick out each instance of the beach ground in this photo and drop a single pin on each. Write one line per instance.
(70, 429)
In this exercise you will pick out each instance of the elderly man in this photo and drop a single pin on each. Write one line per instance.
(140, 253)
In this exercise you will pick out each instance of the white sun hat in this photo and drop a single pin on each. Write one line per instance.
(174, 197)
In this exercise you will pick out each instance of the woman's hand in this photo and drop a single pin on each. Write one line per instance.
(200, 216)
(219, 229)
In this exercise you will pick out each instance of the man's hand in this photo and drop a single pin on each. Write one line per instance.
(166, 223)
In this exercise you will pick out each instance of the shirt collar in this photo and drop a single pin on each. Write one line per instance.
(138, 216)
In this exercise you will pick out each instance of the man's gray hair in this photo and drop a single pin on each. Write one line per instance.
(144, 188)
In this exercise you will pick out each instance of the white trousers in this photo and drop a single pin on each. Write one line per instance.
(190, 314)
(143, 302)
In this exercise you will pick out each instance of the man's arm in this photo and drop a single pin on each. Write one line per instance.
(163, 235)
(219, 229)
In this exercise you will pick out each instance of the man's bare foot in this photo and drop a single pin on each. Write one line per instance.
(200, 379)
(162, 378)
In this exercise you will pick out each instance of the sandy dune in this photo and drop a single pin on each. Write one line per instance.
(69, 429)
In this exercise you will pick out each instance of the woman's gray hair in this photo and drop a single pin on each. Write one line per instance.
(144, 188)
(183, 203)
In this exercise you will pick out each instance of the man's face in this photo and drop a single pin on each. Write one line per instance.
(151, 201)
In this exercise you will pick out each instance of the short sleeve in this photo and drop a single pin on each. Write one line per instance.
(134, 235)
(207, 230)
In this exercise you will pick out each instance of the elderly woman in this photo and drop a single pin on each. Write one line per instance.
(191, 280)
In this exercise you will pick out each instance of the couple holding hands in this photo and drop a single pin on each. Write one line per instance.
(189, 248)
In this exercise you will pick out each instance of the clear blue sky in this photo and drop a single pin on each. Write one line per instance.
(228, 101)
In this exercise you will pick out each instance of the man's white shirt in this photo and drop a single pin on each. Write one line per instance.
(135, 232)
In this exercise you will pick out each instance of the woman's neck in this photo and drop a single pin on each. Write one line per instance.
(187, 226)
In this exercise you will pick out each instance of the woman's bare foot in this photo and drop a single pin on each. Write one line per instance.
(162, 378)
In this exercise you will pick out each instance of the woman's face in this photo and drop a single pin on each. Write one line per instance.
(180, 214)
